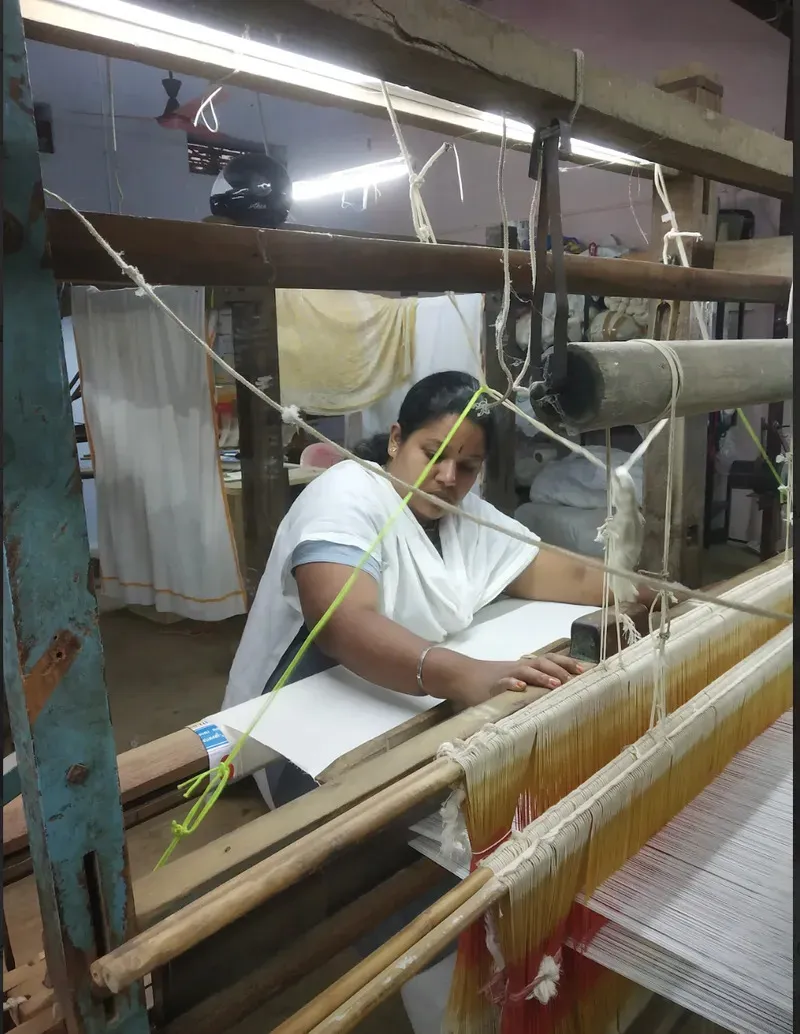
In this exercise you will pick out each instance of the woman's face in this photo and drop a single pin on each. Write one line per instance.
(454, 473)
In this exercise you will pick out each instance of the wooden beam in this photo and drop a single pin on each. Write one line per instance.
(265, 486)
(453, 51)
(762, 256)
(216, 255)
(47, 21)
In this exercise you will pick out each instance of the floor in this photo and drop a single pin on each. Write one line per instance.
(164, 677)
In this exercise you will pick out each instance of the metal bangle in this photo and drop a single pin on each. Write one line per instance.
(420, 662)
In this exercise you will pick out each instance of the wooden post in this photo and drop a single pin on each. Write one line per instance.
(265, 486)
(694, 201)
(52, 654)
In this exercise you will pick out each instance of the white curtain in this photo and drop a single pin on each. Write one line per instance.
(443, 340)
(164, 534)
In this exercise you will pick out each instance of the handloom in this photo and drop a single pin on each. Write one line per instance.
(55, 685)
(518, 767)
(530, 984)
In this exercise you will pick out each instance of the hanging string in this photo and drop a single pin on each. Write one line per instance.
(113, 112)
(215, 89)
(423, 227)
(505, 305)
(789, 499)
(580, 62)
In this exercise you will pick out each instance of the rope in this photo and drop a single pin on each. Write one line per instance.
(505, 306)
(423, 227)
(579, 74)
(113, 113)
(676, 234)
(659, 709)
(215, 89)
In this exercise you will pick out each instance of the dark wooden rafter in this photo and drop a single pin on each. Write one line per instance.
(217, 255)
(449, 50)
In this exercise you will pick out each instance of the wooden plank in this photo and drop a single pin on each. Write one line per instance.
(148, 775)
(143, 771)
(217, 255)
(454, 51)
(770, 256)
(265, 486)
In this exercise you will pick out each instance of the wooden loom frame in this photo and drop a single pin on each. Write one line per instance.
(78, 260)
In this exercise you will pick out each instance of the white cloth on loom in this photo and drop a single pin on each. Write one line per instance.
(431, 595)
(322, 717)
(340, 351)
(164, 536)
(443, 340)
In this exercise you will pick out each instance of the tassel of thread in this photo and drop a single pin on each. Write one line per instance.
(622, 534)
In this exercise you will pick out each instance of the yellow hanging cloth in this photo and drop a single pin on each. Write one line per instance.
(341, 351)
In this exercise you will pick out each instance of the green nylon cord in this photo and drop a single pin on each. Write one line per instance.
(218, 776)
(761, 449)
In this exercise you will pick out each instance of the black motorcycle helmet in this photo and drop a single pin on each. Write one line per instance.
(254, 190)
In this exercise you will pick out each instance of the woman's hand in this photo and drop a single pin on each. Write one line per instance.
(477, 681)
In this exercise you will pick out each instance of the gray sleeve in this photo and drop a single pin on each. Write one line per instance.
(333, 553)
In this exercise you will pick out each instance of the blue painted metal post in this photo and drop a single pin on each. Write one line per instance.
(52, 656)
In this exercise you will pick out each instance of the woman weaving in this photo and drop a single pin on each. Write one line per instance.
(431, 574)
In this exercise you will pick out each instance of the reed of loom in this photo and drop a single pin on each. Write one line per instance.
(552, 747)
(529, 884)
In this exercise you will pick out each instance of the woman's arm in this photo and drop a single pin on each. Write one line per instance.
(559, 579)
(387, 654)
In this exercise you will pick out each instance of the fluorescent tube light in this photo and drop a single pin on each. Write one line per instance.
(362, 177)
(130, 24)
